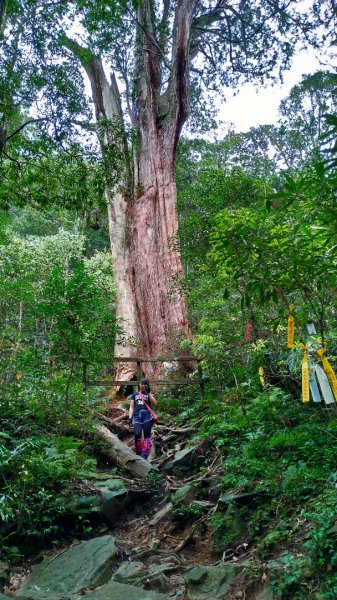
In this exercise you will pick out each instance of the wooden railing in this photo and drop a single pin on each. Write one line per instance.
(138, 361)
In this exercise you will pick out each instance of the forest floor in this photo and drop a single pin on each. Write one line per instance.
(152, 531)
(157, 530)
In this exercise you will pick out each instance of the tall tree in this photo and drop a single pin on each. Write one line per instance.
(162, 55)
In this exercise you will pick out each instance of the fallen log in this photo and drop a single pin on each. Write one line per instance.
(121, 454)
(111, 422)
(118, 427)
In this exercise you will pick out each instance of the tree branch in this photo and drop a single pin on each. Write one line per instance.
(9, 137)
(12, 159)
(148, 28)
(94, 69)
(176, 94)
(201, 23)
(163, 26)
(85, 125)
(122, 66)
(149, 50)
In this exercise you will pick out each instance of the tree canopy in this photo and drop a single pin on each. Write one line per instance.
(228, 43)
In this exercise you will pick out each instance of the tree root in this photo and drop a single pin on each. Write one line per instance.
(189, 536)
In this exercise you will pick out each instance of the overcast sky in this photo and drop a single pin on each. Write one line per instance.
(253, 106)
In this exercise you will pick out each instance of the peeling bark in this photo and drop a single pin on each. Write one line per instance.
(156, 261)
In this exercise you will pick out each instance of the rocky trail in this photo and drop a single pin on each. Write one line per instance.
(151, 537)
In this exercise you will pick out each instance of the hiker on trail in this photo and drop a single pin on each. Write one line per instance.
(141, 418)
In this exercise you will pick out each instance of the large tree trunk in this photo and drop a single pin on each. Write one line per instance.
(155, 258)
(155, 261)
(143, 218)
(150, 302)
(148, 269)
(123, 274)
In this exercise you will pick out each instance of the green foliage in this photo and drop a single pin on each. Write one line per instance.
(34, 470)
(284, 252)
(63, 301)
(248, 252)
(264, 250)
(208, 187)
(311, 570)
(282, 456)
(185, 513)
(272, 443)
(68, 180)
(57, 310)
(248, 257)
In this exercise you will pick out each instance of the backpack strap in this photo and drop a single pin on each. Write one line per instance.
(143, 400)
(154, 416)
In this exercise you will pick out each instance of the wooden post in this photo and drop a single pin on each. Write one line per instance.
(139, 370)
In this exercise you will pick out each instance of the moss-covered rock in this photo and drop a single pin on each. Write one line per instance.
(120, 591)
(209, 583)
(185, 495)
(180, 459)
(85, 565)
(266, 594)
(40, 595)
(153, 577)
(232, 530)
(107, 498)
